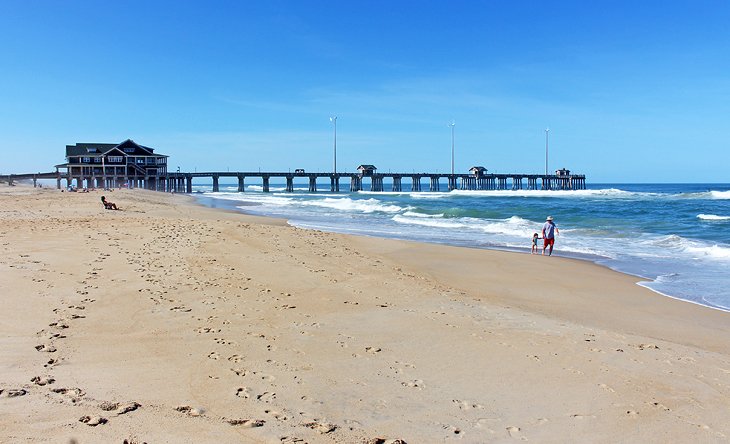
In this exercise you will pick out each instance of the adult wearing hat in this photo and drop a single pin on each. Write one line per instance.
(549, 230)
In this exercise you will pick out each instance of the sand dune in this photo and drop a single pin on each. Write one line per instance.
(169, 322)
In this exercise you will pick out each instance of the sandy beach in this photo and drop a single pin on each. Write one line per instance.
(170, 322)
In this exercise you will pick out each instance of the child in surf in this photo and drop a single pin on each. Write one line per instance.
(534, 243)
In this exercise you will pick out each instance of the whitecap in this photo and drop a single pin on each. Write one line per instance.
(712, 217)
(720, 194)
(423, 215)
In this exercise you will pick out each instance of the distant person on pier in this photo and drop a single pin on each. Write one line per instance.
(549, 230)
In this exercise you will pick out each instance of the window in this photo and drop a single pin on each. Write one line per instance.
(97, 159)
(128, 150)
(90, 150)
(115, 159)
(140, 160)
(85, 159)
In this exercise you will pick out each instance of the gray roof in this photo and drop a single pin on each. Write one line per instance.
(98, 149)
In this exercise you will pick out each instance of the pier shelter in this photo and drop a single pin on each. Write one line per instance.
(109, 165)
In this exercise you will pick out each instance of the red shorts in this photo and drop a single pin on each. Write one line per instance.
(549, 242)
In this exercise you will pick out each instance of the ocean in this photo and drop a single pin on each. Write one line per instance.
(676, 236)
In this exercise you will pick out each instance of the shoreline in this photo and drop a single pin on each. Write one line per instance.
(175, 322)
(209, 202)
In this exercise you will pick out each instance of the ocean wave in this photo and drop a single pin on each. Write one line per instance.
(674, 246)
(710, 252)
(607, 192)
(423, 215)
(712, 217)
(425, 222)
(514, 226)
(261, 189)
(347, 204)
(720, 194)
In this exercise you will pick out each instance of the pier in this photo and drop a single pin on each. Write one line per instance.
(433, 182)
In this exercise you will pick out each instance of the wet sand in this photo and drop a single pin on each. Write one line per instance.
(170, 322)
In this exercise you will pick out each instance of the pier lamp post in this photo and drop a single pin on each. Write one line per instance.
(452, 124)
(333, 119)
(547, 132)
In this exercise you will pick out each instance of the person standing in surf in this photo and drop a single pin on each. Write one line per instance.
(549, 230)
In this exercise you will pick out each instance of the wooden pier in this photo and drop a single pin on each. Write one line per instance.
(432, 182)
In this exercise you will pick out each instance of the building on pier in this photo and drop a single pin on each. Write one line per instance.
(478, 171)
(109, 165)
(367, 170)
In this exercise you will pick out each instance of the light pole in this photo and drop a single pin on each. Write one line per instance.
(452, 124)
(333, 119)
(547, 131)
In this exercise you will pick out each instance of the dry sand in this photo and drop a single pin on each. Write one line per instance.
(170, 322)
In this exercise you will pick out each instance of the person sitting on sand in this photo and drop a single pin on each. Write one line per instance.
(108, 205)
(534, 243)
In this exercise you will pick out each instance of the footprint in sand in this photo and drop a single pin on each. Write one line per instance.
(247, 423)
(119, 408)
(93, 420)
(69, 394)
(214, 356)
(12, 393)
(266, 397)
(45, 348)
(416, 383)
(235, 358)
(373, 350)
(190, 411)
(239, 371)
(42, 380)
(516, 433)
(243, 392)
(467, 405)
(321, 427)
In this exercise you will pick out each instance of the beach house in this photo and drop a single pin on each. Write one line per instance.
(109, 165)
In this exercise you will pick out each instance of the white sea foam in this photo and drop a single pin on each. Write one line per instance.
(359, 205)
(712, 217)
(720, 194)
(673, 246)
(513, 226)
(608, 192)
(709, 252)
(426, 222)
(261, 189)
(423, 215)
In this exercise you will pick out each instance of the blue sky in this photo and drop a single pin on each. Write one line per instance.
(631, 91)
